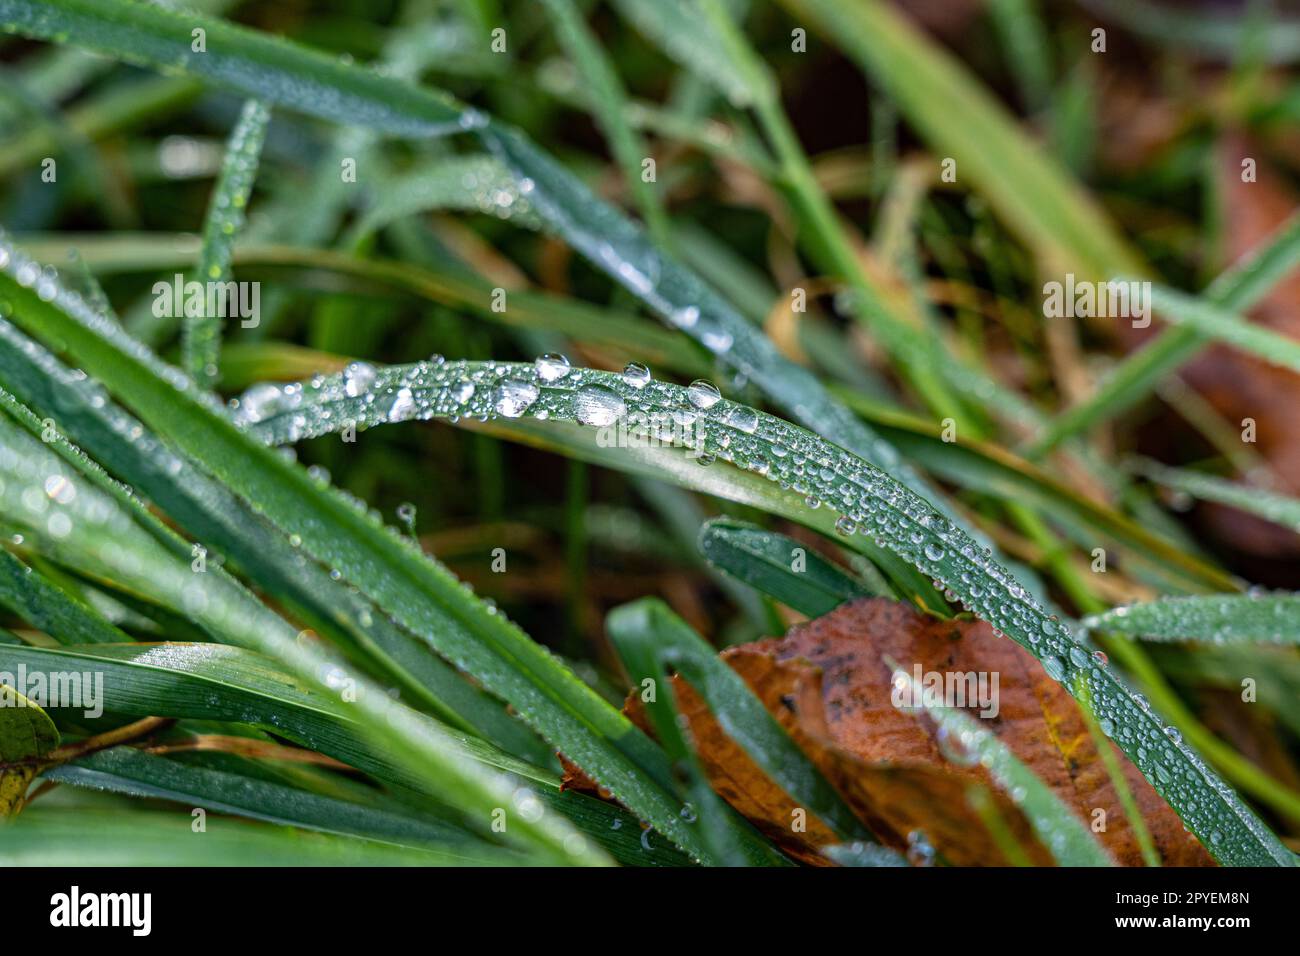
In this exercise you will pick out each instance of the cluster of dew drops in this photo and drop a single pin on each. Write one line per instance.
(867, 501)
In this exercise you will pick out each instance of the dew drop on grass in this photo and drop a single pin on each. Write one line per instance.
(357, 378)
(703, 395)
(403, 405)
(551, 367)
(597, 405)
(259, 402)
(636, 375)
(743, 418)
(513, 397)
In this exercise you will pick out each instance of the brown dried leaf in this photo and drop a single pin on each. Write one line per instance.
(827, 683)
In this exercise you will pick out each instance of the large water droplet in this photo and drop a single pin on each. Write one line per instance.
(357, 377)
(597, 405)
(636, 375)
(551, 367)
(703, 394)
(513, 397)
(743, 418)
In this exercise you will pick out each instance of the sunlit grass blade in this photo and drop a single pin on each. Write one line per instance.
(778, 566)
(1215, 618)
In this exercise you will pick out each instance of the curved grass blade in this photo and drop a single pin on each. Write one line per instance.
(201, 339)
(1065, 836)
(225, 524)
(90, 529)
(1216, 618)
(864, 497)
(767, 560)
(418, 592)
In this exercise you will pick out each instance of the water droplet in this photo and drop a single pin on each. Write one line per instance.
(597, 405)
(513, 397)
(636, 375)
(933, 552)
(703, 394)
(551, 367)
(743, 418)
(357, 377)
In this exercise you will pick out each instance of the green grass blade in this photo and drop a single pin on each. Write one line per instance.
(1270, 505)
(76, 836)
(136, 773)
(767, 560)
(1065, 836)
(1215, 618)
(1235, 290)
(225, 524)
(868, 499)
(46, 607)
(647, 628)
(201, 341)
(611, 106)
(419, 593)
(960, 119)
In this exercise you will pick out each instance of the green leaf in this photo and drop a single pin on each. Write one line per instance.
(958, 117)
(26, 735)
(767, 560)
(45, 606)
(1235, 290)
(611, 107)
(136, 773)
(1216, 618)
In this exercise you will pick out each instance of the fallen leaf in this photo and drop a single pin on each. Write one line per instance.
(827, 683)
(26, 735)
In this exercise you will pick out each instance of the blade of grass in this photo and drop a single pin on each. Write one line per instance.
(766, 560)
(867, 498)
(201, 341)
(1216, 618)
